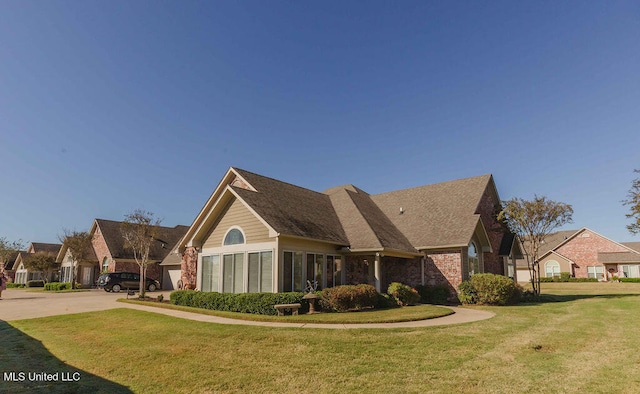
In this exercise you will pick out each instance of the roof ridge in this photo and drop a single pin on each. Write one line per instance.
(489, 175)
(274, 180)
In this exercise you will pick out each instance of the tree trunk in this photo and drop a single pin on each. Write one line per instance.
(143, 272)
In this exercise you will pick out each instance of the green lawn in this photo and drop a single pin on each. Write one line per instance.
(585, 341)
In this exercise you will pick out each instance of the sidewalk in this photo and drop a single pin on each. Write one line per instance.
(21, 304)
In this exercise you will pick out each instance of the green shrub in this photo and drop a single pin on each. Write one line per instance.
(583, 280)
(57, 286)
(348, 297)
(255, 303)
(565, 277)
(15, 285)
(35, 283)
(437, 294)
(489, 289)
(404, 295)
(630, 280)
(385, 301)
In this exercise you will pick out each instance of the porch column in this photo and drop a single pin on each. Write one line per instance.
(376, 272)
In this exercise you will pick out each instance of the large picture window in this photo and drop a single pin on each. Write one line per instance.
(232, 268)
(292, 279)
(334, 271)
(315, 269)
(595, 272)
(551, 269)
(210, 273)
(260, 272)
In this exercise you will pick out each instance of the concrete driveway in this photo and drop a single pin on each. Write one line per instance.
(17, 304)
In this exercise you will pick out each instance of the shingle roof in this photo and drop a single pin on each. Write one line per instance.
(618, 257)
(442, 214)
(112, 233)
(48, 248)
(9, 265)
(292, 210)
(633, 245)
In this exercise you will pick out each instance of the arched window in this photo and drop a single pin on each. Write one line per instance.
(474, 260)
(551, 269)
(234, 237)
(105, 264)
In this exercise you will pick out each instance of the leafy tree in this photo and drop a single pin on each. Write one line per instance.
(7, 250)
(44, 262)
(79, 247)
(532, 221)
(633, 200)
(140, 230)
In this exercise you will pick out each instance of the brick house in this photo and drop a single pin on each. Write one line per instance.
(112, 256)
(260, 234)
(585, 254)
(22, 273)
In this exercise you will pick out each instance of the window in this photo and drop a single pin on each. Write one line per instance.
(232, 268)
(474, 260)
(334, 271)
(105, 264)
(292, 271)
(260, 272)
(631, 271)
(66, 274)
(551, 269)
(315, 268)
(595, 272)
(210, 273)
(234, 237)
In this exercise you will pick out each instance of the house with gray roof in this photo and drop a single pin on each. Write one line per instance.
(585, 254)
(258, 234)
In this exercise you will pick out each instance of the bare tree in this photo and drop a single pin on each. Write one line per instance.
(7, 250)
(532, 221)
(44, 262)
(633, 200)
(140, 230)
(79, 247)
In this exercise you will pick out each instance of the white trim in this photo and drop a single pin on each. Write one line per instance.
(234, 227)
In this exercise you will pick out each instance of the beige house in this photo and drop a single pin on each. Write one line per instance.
(22, 273)
(258, 234)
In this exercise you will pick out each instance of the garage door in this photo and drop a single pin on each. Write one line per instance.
(170, 278)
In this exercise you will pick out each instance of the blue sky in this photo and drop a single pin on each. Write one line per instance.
(109, 106)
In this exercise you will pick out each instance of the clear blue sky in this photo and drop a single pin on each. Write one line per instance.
(109, 106)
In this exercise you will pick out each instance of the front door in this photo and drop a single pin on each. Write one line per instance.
(87, 276)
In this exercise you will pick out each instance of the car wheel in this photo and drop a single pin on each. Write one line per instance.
(116, 288)
(152, 287)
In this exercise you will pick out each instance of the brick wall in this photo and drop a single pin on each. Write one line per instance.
(584, 248)
(189, 267)
(444, 268)
(396, 269)
(102, 251)
(154, 271)
(495, 231)
(358, 269)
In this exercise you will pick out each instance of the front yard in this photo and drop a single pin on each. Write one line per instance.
(585, 341)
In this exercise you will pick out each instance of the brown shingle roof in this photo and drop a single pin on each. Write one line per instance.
(632, 245)
(112, 233)
(442, 214)
(292, 210)
(12, 260)
(48, 248)
(618, 257)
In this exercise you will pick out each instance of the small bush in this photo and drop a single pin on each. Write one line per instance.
(348, 297)
(385, 301)
(489, 289)
(404, 295)
(15, 285)
(35, 283)
(57, 286)
(437, 294)
(256, 303)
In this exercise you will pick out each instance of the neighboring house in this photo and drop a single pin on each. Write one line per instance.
(87, 270)
(585, 254)
(10, 266)
(22, 273)
(258, 234)
(108, 244)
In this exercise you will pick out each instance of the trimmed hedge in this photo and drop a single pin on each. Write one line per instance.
(35, 283)
(57, 286)
(255, 303)
(15, 285)
(563, 280)
(437, 294)
(489, 289)
(349, 297)
(629, 280)
(404, 295)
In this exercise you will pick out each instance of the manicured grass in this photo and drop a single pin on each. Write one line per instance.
(583, 342)
(395, 315)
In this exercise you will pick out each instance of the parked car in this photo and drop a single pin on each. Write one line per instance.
(116, 281)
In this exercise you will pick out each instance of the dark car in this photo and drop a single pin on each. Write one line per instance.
(116, 281)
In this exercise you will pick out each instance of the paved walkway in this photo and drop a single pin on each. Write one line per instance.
(21, 304)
